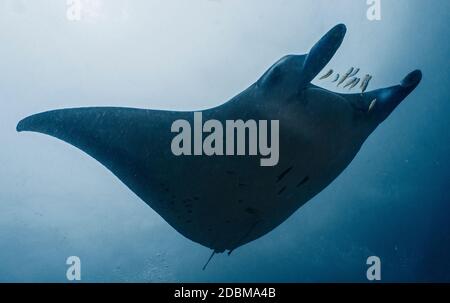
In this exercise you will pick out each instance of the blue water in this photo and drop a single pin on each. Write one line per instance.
(56, 202)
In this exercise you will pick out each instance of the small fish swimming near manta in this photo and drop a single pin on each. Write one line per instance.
(355, 72)
(351, 82)
(346, 75)
(352, 72)
(354, 83)
(329, 73)
(336, 78)
(224, 202)
(365, 83)
(372, 105)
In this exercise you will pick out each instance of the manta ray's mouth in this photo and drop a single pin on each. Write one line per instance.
(378, 103)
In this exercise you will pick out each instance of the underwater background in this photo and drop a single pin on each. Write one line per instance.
(55, 201)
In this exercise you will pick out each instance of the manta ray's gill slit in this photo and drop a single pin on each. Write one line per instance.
(303, 182)
(281, 190)
(188, 205)
(284, 173)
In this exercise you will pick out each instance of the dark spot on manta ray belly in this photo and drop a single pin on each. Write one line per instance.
(284, 173)
(164, 187)
(306, 179)
(251, 210)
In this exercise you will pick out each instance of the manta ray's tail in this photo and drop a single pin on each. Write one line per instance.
(209, 260)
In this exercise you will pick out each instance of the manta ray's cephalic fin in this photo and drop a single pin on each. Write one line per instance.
(293, 73)
(322, 52)
(381, 102)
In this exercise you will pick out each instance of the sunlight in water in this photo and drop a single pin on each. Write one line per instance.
(92, 8)
(78, 10)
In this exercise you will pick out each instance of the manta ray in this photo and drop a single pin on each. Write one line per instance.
(225, 202)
